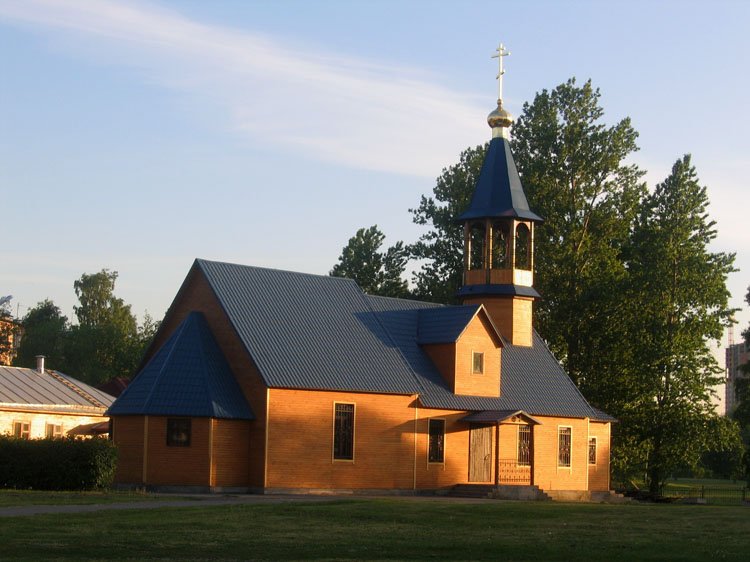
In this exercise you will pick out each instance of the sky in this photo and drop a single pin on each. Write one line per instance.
(139, 135)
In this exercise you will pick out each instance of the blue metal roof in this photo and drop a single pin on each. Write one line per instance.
(532, 379)
(499, 192)
(309, 331)
(444, 324)
(323, 333)
(188, 376)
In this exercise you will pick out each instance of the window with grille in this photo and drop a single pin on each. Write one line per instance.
(592, 450)
(477, 363)
(343, 432)
(564, 435)
(524, 445)
(437, 441)
(53, 431)
(178, 432)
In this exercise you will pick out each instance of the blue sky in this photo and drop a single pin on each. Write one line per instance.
(138, 135)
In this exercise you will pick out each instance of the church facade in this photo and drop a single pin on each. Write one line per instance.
(267, 380)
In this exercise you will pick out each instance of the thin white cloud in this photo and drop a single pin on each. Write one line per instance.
(342, 109)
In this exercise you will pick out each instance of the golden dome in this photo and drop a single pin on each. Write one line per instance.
(499, 117)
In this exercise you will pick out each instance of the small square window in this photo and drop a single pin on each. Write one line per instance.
(22, 430)
(477, 363)
(53, 431)
(178, 432)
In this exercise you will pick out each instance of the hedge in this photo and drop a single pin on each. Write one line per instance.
(57, 464)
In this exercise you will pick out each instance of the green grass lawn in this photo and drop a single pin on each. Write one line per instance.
(10, 498)
(392, 529)
(713, 490)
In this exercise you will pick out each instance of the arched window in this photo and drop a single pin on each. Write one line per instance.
(476, 252)
(523, 247)
(499, 245)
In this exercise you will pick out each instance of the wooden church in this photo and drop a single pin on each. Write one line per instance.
(265, 380)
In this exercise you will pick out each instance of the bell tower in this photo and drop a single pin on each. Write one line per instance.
(499, 235)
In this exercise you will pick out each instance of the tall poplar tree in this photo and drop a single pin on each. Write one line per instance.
(574, 173)
(678, 302)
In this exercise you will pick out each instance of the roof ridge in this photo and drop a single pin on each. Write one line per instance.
(75, 388)
(244, 266)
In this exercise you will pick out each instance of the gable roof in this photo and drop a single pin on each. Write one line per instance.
(445, 324)
(499, 192)
(188, 376)
(319, 332)
(52, 390)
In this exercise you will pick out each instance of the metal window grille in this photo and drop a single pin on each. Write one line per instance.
(592, 450)
(478, 363)
(563, 446)
(178, 432)
(343, 432)
(524, 445)
(437, 441)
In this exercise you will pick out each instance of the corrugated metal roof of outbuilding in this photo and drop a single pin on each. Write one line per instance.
(22, 386)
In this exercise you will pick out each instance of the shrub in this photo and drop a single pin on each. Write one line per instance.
(57, 464)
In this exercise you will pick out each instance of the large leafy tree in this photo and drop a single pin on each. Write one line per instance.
(574, 173)
(441, 247)
(8, 330)
(45, 331)
(677, 302)
(376, 272)
(742, 393)
(105, 343)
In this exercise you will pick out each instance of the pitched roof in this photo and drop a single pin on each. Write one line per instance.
(445, 324)
(499, 192)
(51, 390)
(319, 332)
(188, 376)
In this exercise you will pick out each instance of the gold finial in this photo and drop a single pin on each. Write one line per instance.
(499, 119)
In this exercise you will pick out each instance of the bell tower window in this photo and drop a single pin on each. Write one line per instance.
(499, 245)
(523, 247)
(476, 246)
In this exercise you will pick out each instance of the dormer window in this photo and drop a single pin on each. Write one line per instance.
(477, 363)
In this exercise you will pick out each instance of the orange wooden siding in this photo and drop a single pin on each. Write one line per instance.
(231, 448)
(477, 338)
(127, 433)
(454, 360)
(546, 472)
(599, 472)
(300, 441)
(197, 295)
(171, 466)
(511, 315)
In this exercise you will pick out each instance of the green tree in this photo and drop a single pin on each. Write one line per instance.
(376, 272)
(442, 246)
(573, 170)
(741, 413)
(678, 302)
(105, 343)
(45, 331)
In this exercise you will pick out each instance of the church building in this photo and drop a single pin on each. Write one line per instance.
(265, 380)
